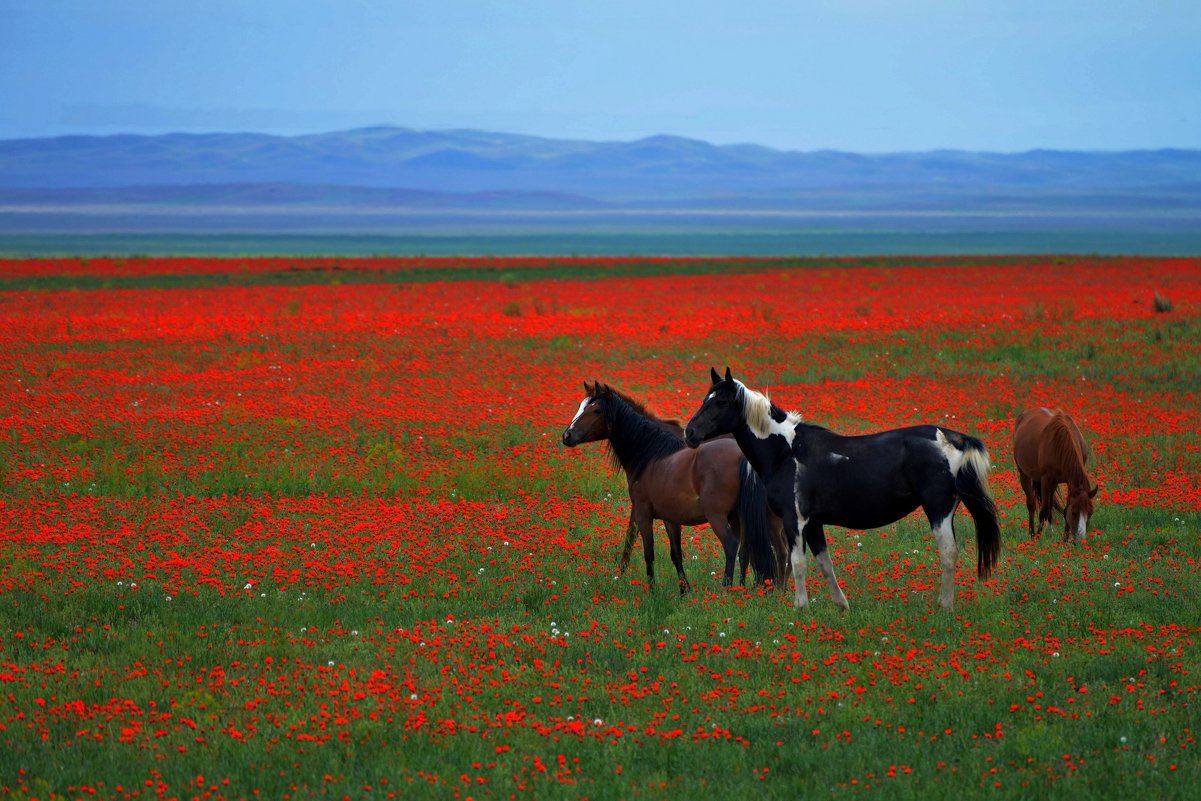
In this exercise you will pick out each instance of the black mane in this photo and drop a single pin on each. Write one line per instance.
(636, 437)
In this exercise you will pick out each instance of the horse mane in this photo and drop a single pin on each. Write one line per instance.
(1061, 439)
(637, 437)
(757, 411)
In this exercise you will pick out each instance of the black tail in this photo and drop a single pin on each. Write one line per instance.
(972, 483)
(752, 518)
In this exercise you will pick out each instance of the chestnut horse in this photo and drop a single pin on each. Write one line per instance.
(1049, 450)
(682, 487)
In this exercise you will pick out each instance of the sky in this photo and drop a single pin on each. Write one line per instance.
(869, 76)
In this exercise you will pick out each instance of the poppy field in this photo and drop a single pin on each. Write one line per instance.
(290, 528)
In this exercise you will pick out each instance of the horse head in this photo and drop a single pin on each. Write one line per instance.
(1077, 511)
(719, 413)
(588, 425)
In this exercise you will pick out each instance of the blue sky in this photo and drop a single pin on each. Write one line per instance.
(859, 75)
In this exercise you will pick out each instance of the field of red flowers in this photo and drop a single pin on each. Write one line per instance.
(288, 528)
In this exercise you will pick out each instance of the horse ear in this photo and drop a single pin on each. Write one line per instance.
(728, 376)
(1092, 493)
(713, 375)
(587, 387)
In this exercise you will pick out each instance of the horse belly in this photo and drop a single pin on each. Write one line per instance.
(872, 515)
(679, 508)
(672, 494)
(862, 500)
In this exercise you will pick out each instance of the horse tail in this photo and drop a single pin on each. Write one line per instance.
(752, 520)
(971, 481)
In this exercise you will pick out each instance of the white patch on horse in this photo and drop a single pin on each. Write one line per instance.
(756, 410)
(836, 458)
(1081, 527)
(948, 558)
(797, 556)
(953, 455)
(797, 552)
(583, 405)
(827, 565)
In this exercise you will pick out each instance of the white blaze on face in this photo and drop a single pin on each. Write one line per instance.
(1081, 526)
(583, 405)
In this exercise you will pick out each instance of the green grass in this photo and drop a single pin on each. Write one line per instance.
(848, 725)
(496, 608)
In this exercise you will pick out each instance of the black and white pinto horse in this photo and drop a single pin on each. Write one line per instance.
(815, 477)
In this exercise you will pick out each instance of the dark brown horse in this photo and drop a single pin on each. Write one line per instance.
(680, 486)
(1049, 450)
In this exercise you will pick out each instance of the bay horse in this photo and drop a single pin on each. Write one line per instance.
(1049, 450)
(682, 487)
(815, 478)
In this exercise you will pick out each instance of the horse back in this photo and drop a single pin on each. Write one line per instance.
(1033, 449)
(869, 480)
(681, 484)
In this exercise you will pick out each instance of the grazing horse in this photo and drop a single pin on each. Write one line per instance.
(1049, 450)
(815, 477)
(680, 486)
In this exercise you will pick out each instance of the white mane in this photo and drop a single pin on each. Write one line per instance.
(756, 410)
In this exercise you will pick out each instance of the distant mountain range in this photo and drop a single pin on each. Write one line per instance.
(404, 170)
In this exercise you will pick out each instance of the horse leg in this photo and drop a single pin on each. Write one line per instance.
(815, 536)
(939, 501)
(738, 540)
(646, 527)
(1046, 503)
(628, 546)
(729, 545)
(779, 548)
(796, 555)
(674, 533)
(1032, 493)
(948, 558)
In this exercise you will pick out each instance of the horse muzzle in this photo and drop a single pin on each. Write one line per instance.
(691, 439)
(569, 440)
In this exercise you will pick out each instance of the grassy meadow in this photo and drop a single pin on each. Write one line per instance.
(297, 527)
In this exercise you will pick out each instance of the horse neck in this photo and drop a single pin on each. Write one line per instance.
(637, 438)
(764, 454)
(1064, 442)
